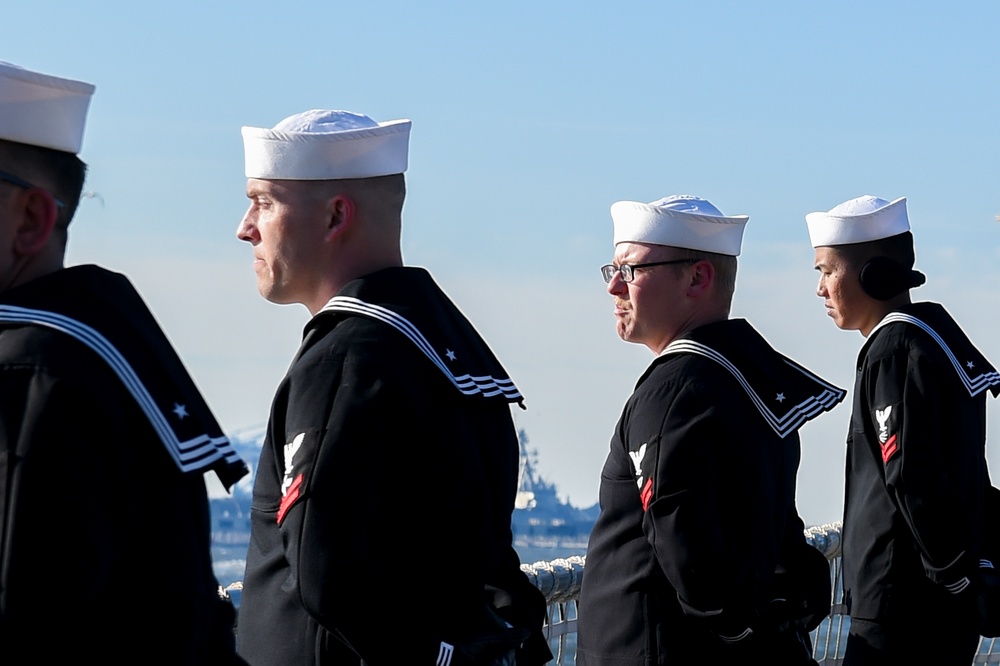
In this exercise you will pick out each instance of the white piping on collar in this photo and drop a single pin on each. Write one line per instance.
(194, 454)
(974, 386)
(796, 415)
(487, 385)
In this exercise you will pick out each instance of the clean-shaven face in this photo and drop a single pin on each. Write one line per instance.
(840, 288)
(285, 223)
(650, 309)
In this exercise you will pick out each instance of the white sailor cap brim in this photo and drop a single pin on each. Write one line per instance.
(359, 152)
(636, 222)
(43, 110)
(859, 220)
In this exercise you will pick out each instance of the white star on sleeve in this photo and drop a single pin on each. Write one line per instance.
(780, 397)
(450, 354)
(180, 410)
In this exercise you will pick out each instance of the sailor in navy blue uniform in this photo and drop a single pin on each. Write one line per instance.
(916, 483)
(383, 497)
(698, 556)
(104, 438)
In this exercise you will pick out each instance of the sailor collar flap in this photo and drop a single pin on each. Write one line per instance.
(103, 311)
(973, 369)
(786, 394)
(414, 305)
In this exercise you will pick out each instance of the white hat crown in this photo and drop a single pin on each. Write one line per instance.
(42, 110)
(326, 145)
(859, 220)
(680, 220)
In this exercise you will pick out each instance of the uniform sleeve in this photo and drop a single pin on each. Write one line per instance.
(688, 493)
(40, 418)
(90, 507)
(801, 591)
(926, 466)
(373, 491)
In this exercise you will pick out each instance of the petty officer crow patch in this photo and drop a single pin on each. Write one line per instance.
(886, 421)
(298, 456)
(645, 484)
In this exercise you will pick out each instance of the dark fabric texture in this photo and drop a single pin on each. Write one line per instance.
(383, 496)
(698, 536)
(104, 542)
(916, 478)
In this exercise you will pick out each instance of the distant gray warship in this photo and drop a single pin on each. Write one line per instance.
(544, 527)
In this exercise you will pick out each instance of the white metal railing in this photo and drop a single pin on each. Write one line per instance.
(559, 580)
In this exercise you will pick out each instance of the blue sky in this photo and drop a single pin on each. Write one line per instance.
(529, 121)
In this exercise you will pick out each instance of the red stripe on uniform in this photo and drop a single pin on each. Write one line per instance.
(289, 499)
(647, 494)
(889, 448)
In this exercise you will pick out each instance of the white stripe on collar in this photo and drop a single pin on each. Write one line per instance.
(796, 415)
(467, 384)
(974, 385)
(445, 653)
(194, 454)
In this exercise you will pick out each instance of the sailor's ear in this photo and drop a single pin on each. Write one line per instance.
(341, 215)
(702, 277)
(36, 213)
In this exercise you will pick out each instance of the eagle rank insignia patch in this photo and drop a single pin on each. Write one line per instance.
(291, 482)
(887, 433)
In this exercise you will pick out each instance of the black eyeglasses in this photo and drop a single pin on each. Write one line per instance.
(627, 271)
(20, 182)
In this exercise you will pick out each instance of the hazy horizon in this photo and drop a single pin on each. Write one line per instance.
(529, 121)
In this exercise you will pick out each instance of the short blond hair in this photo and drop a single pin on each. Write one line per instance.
(725, 271)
